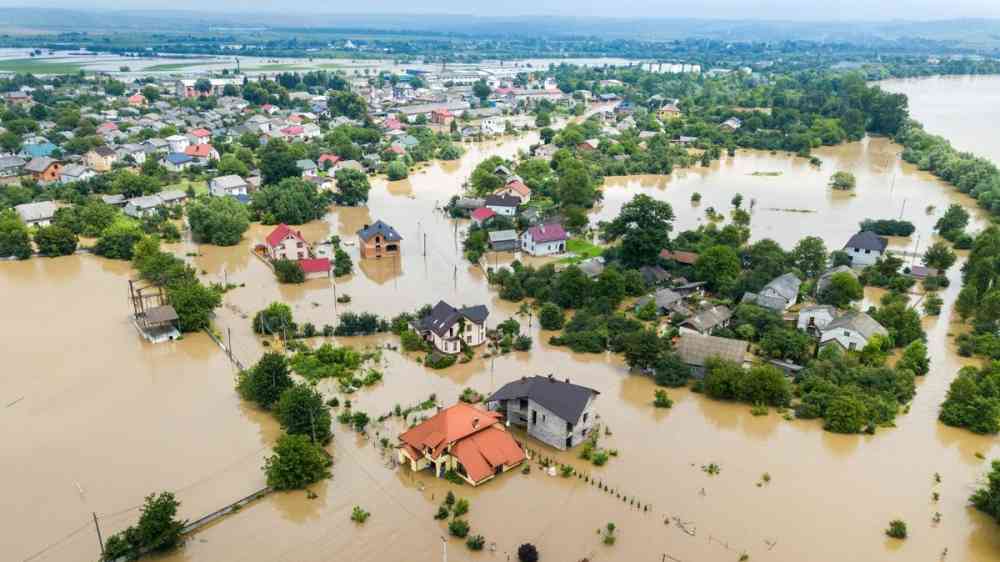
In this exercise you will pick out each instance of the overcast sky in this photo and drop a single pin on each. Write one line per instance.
(736, 9)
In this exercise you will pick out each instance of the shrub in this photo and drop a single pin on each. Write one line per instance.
(458, 528)
(551, 317)
(522, 343)
(661, 400)
(359, 515)
(437, 360)
(460, 508)
(600, 458)
(397, 170)
(442, 513)
(288, 271)
(476, 542)
(897, 529)
(296, 463)
(527, 553)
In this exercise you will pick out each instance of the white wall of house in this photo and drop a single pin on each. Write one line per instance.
(850, 339)
(863, 257)
(819, 318)
(541, 248)
(473, 335)
(291, 248)
(505, 211)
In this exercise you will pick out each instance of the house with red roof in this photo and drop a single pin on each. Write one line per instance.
(107, 128)
(285, 243)
(686, 258)
(392, 124)
(481, 215)
(516, 188)
(293, 132)
(202, 153)
(544, 240)
(325, 158)
(464, 439)
(137, 100)
(201, 136)
(442, 116)
(315, 267)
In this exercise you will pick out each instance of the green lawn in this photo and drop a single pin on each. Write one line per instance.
(40, 66)
(168, 67)
(582, 250)
(200, 187)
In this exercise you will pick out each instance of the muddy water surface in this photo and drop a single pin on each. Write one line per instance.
(178, 422)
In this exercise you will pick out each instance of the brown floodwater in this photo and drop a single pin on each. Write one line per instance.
(167, 417)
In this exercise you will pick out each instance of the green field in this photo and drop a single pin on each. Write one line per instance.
(200, 187)
(40, 66)
(582, 250)
(168, 67)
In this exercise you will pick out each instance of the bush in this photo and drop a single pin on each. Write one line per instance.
(987, 499)
(460, 508)
(363, 324)
(342, 264)
(296, 463)
(275, 319)
(397, 170)
(436, 360)
(442, 513)
(897, 529)
(661, 400)
(288, 271)
(55, 241)
(300, 411)
(458, 528)
(265, 382)
(527, 553)
(359, 515)
(888, 227)
(476, 542)
(218, 220)
(522, 343)
(411, 341)
(551, 317)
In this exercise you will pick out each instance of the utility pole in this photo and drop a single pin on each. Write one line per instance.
(425, 244)
(97, 526)
(229, 346)
(444, 549)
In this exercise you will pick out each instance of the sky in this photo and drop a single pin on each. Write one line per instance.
(798, 10)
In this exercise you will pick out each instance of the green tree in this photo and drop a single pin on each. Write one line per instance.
(902, 322)
(551, 317)
(915, 358)
(348, 104)
(643, 226)
(576, 187)
(642, 350)
(14, 238)
(843, 289)
(266, 381)
(194, 304)
(352, 187)
(572, 287)
(296, 463)
(158, 530)
(300, 411)
(845, 414)
(55, 241)
(203, 86)
(843, 181)
(939, 256)
(118, 240)
(955, 219)
(218, 220)
(277, 162)
(275, 319)
(481, 90)
(292, 201)
(397, 170)
(719, 266)
(670, 370)
(810, 256)
(987, 498)
(230, 164)
(288, 271)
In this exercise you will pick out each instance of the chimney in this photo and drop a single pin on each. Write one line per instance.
(567, 380)
(365, 227)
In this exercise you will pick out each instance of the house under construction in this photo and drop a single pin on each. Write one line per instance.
(151, 315)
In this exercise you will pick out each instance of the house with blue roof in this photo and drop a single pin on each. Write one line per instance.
(39, 150)
(177, 161)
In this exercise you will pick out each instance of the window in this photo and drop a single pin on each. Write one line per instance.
(523, 403)
(868, 251)
(585, 414)
(569, 427)
(299, 245)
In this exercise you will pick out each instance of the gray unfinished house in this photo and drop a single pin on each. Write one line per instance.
(555, 412)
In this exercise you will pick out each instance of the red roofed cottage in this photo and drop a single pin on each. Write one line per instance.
(283, 243)
(462, 438)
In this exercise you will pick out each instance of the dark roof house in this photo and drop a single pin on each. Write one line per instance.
(388, 233)
(562, 398)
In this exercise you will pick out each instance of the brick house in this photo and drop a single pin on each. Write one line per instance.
(379, 240)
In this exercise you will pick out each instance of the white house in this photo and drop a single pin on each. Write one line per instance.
(178, 143)
(284, 243)
(544, 240)
(505, 205)
(231, 185)
(75, 172)
(36, 214)
(492, 126)
(816, 318)
(449, 328)
(778, 295)
(852, 331)
(865, 248)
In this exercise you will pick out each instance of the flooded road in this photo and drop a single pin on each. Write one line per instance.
(125, 419)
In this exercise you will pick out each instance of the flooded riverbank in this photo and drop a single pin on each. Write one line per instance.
(167, 417)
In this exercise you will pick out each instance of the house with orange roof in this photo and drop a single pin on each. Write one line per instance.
(515, 188)
(471, 442)
(202, 153)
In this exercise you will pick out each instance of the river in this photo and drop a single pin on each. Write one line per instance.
(122, 418)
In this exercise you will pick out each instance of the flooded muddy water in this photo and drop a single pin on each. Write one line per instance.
(124, 419)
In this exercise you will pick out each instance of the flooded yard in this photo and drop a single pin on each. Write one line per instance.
(106, 418)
